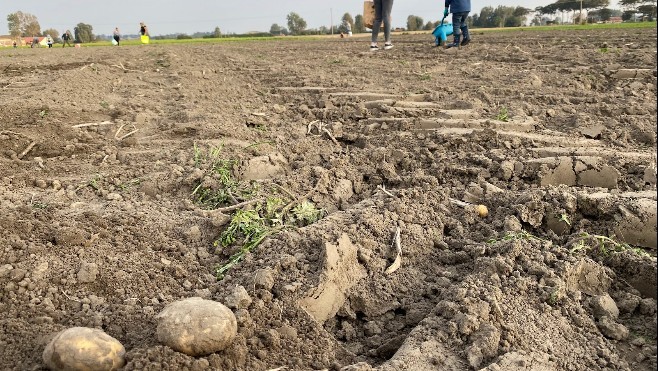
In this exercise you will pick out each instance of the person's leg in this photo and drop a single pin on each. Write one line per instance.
(377, 23)
(466, 38)
(387, 7)
(456, 28)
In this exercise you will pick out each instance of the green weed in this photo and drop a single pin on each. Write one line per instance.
(93, 183)
(126, 186)
(602, 244)
(503, 114)
(510, 236)
(218, 187)
(39, 205)
(248, 228)
(306, 213)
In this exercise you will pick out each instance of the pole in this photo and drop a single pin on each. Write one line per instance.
(332, 20)
(580, 18)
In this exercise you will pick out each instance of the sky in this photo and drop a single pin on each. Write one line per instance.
(239, 16)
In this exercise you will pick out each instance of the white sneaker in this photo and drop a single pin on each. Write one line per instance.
(374, 48)
(388, 46)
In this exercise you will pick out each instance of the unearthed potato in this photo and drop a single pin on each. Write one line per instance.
(482, 211)
(196, 326)
(84, 349)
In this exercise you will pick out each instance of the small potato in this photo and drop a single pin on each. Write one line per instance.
(482, 211)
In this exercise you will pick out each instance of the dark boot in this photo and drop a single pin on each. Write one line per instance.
(455, 44)
(467, 38)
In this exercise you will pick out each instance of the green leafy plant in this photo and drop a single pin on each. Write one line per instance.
(93, 183)
(39, 205)
(503, 114)
(248, 229)
(601, 244)
(218, 186)
(565, 218)
(306, 213)
(127, 185)
(521, 235)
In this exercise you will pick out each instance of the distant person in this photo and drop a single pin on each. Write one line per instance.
(144, 33)
(66, 38)
(143, 30)
(49, 40)
(459, 10)
(15, 44)
(117, 36)
(35, 42)
(382, 14)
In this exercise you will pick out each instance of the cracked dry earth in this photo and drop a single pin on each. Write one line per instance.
(100, 225)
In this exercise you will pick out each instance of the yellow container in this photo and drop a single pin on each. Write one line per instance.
(145, 39)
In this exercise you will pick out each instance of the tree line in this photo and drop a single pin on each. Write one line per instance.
(22, 24)
(632, 8)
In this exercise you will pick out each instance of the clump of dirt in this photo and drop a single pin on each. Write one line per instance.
(123, 167)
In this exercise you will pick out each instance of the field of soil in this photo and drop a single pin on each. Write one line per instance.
(121, 168)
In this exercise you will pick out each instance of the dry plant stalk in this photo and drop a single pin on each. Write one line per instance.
(398, 259)
(26, 150)
(93, 124)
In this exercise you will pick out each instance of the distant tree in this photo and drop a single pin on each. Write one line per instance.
(429, 26)
(53, 33)
(23, 24)
(84, 33)
(505, 16)
(217, 33)
(285, 31)
(359, 27)
(346, 23)
(296, 24)
(183, 37)
(275, 29)
(414, 23)
(648, 10)
(630, 3)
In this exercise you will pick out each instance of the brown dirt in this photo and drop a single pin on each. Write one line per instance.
(103, 232)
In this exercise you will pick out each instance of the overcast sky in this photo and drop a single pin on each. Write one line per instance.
(239, 16)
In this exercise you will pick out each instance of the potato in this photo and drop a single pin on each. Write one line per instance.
(482, 211)
(84, 349)
(196, 327)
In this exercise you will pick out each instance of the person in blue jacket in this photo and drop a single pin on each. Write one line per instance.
(459, 10)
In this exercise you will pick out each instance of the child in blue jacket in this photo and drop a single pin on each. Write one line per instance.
(459, 10)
